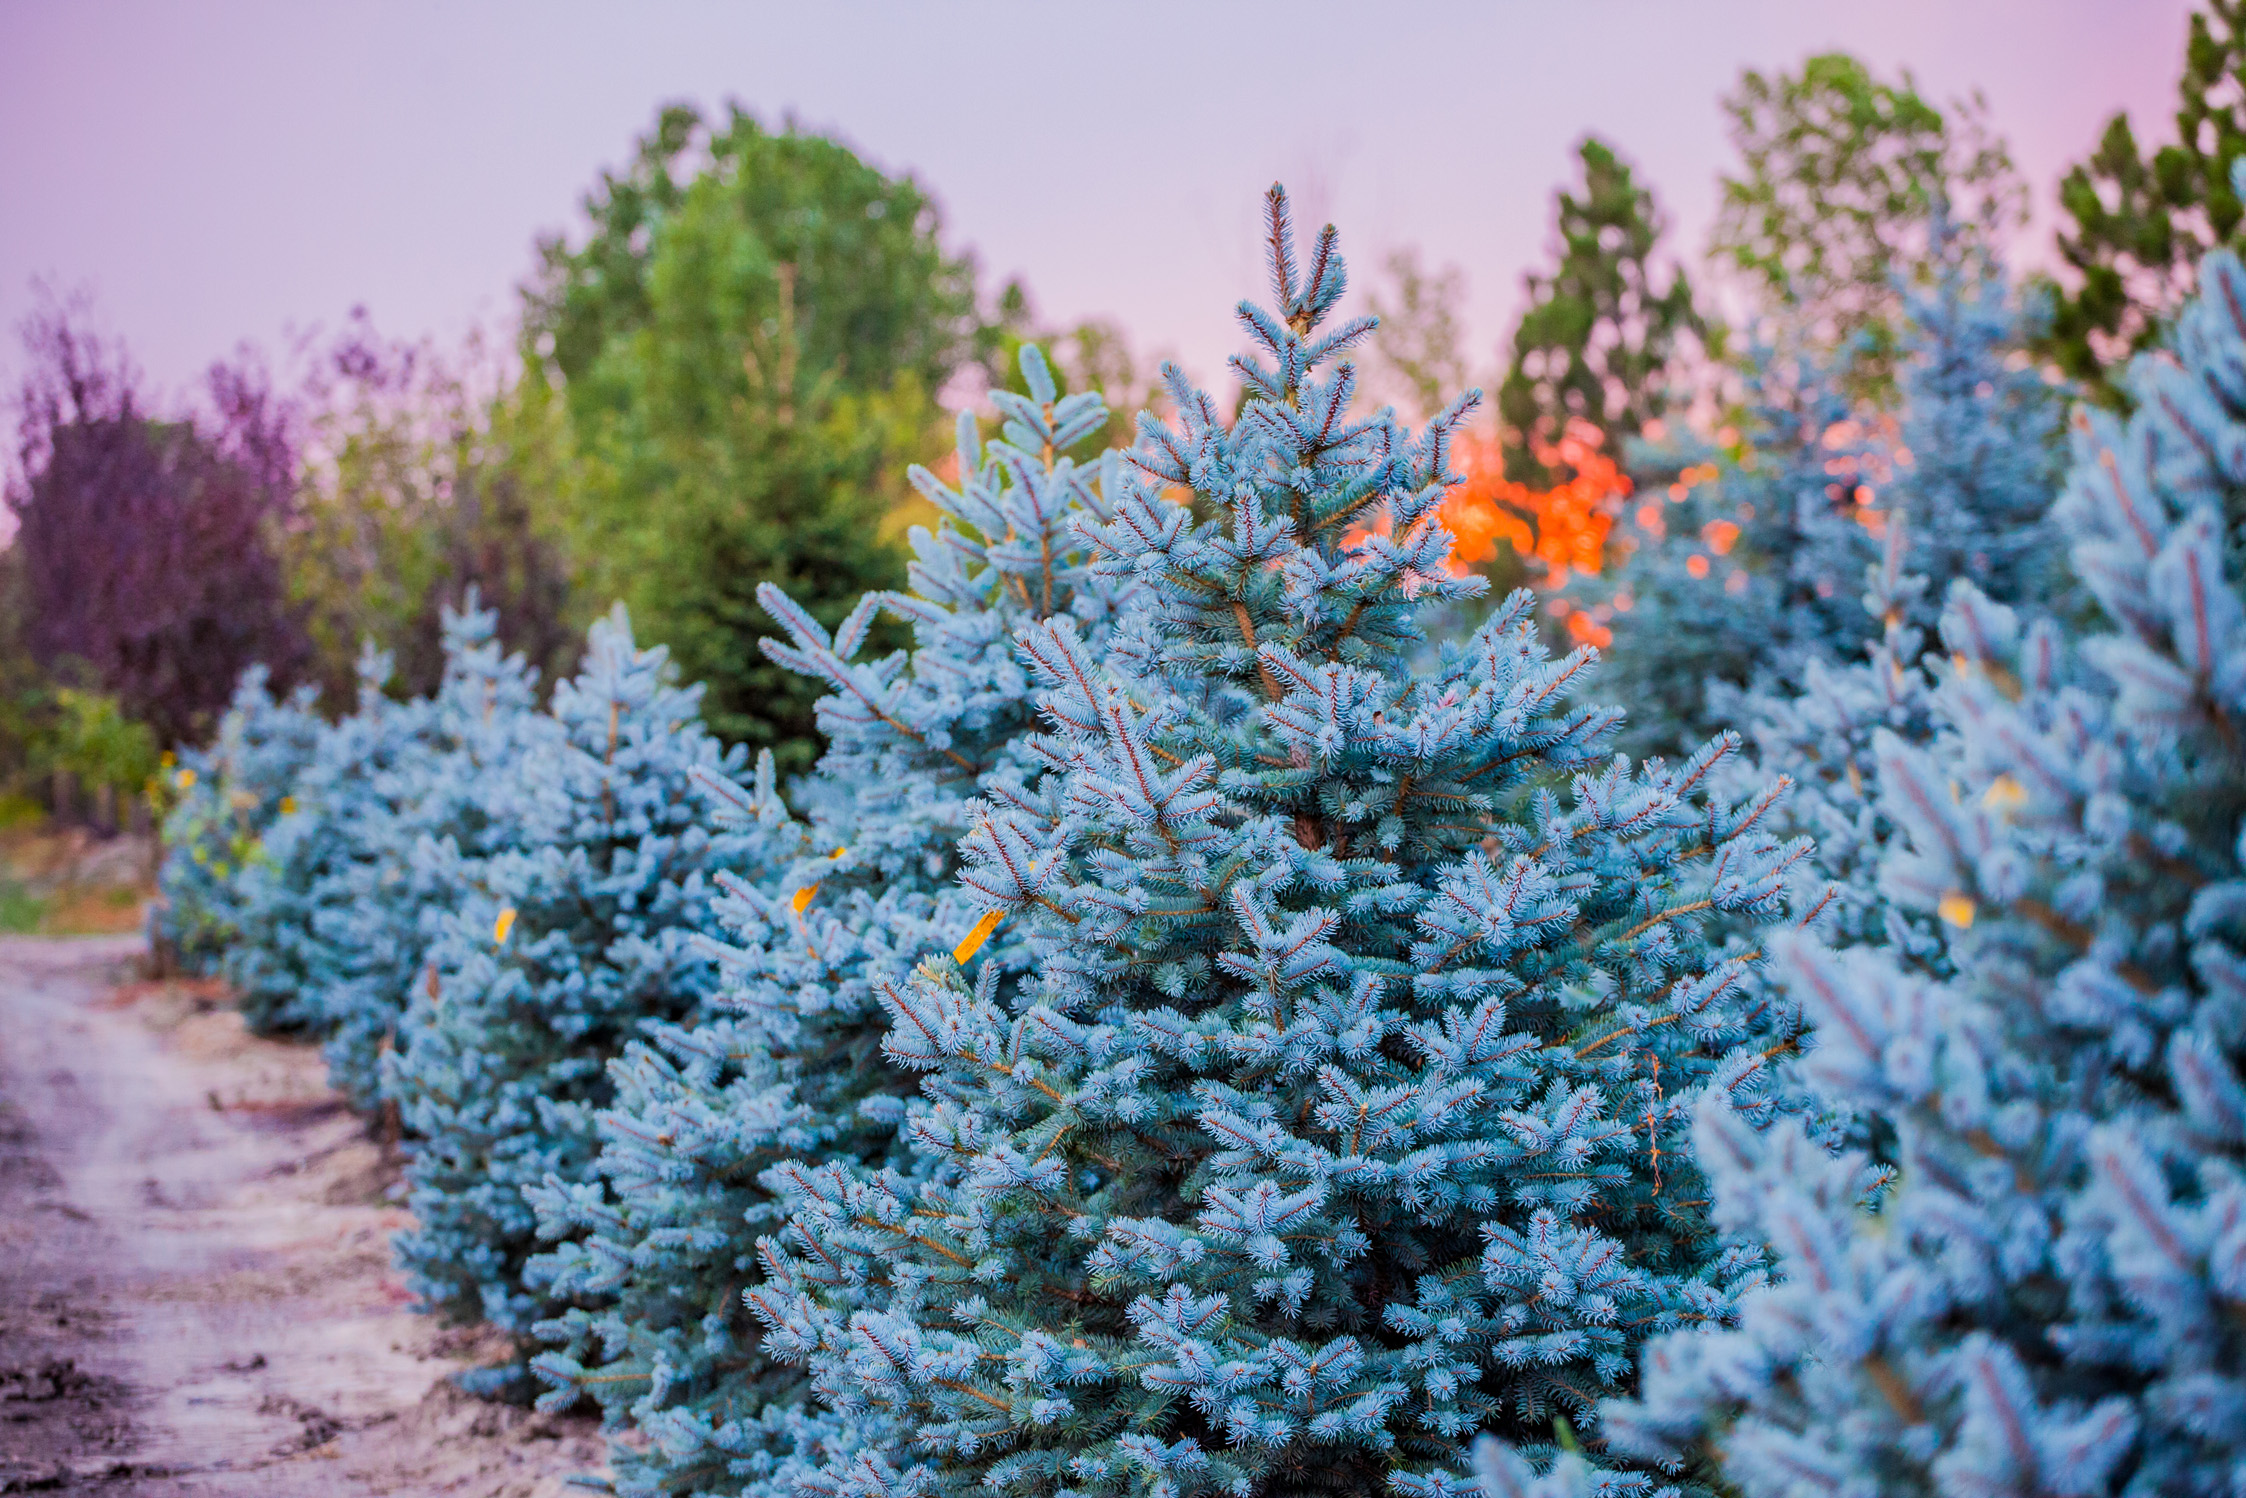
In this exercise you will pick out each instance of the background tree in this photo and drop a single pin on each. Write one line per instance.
(2032, 1276)
(224, 799)
(145, 545)
(1091, 357)
(422, 480)
(1601, 331)
(1419, 345)
(1841, 175)
(746, 349)
(2141, 223)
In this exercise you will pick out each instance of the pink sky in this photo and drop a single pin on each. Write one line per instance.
(214, 173)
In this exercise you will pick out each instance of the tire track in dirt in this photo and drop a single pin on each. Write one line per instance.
(196, 1294)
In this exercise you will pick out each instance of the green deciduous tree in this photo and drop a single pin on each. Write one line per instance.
(1841, 175)
(747, 349)
(1419, 344)
(418, 484)
(2142, 222)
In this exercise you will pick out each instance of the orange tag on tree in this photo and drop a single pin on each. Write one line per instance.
(2004, 794)
(804, 895)
(973, 942)
(1957, 908)
(503, 925)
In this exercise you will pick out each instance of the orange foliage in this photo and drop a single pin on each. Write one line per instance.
(1564, 527)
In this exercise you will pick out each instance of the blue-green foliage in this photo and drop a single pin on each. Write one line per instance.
(2038, 1283)
(1822, 739)
(1980, 427)
(1970, 456)
(445, 799)
(1750, 573)
(230, 794)
(282, 962)
(500, 1065)
(1321, 1099)
(1974, 471)
(863, 891)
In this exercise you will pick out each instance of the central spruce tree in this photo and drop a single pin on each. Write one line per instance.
(1319, 1101)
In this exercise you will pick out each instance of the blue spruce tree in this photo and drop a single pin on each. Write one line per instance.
(1319, 1102)
(2036, 1283)
(862, 890)
(1822, 738)
(557, 952)
(281, 961)
(1980, 458)
(442, 802)
(1749, 583)
(1750, 567)
(1969, 506)
(230, 795)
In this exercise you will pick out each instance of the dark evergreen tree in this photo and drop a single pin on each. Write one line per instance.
(1601, 331)
(2142, 221)
(747, 348)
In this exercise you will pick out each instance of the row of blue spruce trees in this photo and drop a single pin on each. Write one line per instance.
(1207, 1026)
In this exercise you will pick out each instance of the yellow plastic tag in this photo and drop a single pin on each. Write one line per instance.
(804, 895)
(503, 925)
(974, 940)
(1957, 908)
(185, 779)
(288, 806)
(2004, 794)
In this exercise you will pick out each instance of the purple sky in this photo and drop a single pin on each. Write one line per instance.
(214, 173)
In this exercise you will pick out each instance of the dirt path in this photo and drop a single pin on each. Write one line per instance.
(196, 1294)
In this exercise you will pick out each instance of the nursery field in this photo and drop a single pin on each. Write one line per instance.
(196, 1294)
(838, 897)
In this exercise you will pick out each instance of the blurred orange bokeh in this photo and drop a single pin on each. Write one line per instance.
(1563, 528)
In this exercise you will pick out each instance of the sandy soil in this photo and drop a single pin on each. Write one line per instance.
(196, 1294)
